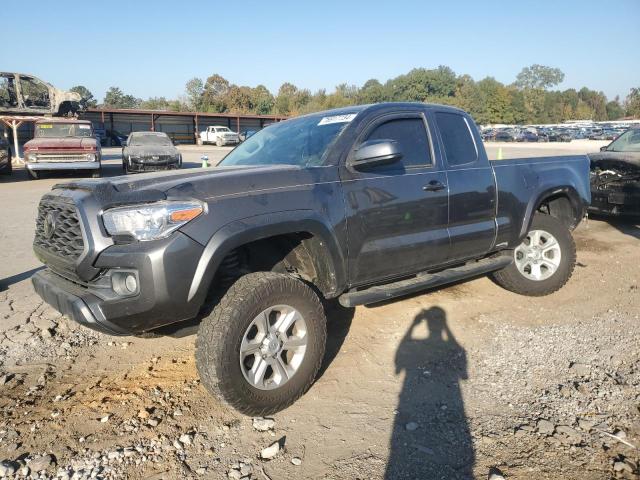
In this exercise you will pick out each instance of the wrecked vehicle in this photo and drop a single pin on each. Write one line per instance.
(63, 144)
(361, 204)
(149, 152)
(26, 94)
(615, 176)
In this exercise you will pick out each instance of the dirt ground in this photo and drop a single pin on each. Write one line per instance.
(444, 385)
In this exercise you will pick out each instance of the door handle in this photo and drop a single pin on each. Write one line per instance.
(434, 186)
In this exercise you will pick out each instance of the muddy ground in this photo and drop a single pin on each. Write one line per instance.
(447, 384)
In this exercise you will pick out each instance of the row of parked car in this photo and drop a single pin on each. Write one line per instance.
(550, 134)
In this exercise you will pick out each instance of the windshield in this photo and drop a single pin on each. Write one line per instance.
(222, 129)
(50, 130)
(150, 140)
(301, 141)
(629, 141)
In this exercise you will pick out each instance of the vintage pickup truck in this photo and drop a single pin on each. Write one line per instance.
(63, 144)
(361, 204)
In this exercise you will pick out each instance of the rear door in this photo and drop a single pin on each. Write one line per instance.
(472, 186)
(396, 213)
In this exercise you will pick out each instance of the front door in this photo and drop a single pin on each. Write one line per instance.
(396, 213)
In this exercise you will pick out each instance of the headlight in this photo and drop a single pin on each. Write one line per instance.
(91, 157)
(150, 221)
(32, 157)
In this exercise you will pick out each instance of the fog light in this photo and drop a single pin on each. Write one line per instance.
(131, 283)
(125, 283)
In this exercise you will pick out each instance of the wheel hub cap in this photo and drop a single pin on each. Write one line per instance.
(273, 347)
(538, 256)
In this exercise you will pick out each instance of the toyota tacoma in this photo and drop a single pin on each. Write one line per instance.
(362, 204)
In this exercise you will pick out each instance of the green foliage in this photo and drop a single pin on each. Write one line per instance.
(632, 103)
(88, 99)
(528, 100)
(115, 98)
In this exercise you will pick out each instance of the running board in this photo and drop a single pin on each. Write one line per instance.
(423, 281)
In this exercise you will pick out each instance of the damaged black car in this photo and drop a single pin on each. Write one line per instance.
(149, 152)
(615, 176)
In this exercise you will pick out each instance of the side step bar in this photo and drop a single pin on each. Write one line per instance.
(423, 281)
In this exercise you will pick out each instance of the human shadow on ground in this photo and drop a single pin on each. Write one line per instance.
(431, 436)
(5, 283)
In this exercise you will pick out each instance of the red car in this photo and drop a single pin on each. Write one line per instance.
(63, 144)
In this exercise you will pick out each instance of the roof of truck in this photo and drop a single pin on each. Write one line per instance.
(61, 120)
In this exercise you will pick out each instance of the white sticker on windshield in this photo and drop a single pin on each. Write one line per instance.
(337, 119)
(84, 127)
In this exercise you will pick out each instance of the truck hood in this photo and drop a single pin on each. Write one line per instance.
(63, 143)
(205, 184)
(611, 159)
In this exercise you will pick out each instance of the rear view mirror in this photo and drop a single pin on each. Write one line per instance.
(376, 152)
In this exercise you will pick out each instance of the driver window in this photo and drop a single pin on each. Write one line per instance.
(35, 94)
(411, 135)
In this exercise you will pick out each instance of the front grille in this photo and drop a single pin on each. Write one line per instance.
(65, 239)
(61, 157)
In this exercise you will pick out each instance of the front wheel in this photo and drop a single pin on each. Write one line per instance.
(543, 262)
(261, 347)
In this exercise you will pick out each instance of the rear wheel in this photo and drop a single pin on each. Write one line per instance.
(543, 262)
(262, 346)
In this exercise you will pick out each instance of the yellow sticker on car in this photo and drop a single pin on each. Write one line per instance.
(45, 125)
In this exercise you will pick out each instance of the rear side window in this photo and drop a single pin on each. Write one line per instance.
(459, 146)
(411, 135)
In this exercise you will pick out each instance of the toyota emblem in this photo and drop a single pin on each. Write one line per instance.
(50, 224)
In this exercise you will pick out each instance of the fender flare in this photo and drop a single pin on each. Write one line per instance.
(240, 232)
(567, 191)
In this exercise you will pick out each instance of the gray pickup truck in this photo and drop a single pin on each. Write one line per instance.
(361, 204)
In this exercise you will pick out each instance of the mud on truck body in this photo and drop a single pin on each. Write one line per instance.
(362, 204)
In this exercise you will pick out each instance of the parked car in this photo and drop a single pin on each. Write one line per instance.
(505, 136)
(115, 138)
(233, 245)
(220, 136)
(615, 176)
(5, 155)
(246, 134)
(150, 151)
(597, 134)
(62, 144)
(527, 136)
(560, 136)
(26, 94)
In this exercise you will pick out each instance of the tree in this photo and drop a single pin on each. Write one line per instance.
(372, 92)
(262, 100)
(115, 98)
(284, 103)
(632, 103)
(194, 90)
(88, 100)
(214, 91)
(538, 77)
(614, 109)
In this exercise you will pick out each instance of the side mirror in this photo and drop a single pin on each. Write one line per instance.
(376, 152)
(604, 149)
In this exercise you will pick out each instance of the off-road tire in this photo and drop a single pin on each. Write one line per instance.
(511, 279)
(220, 335)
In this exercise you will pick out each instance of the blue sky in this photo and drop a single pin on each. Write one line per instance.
(151, 48)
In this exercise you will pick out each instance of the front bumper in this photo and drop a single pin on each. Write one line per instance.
(230, 141)
(148, 165)
(63, 165)
(163, 268)
(616, 203)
